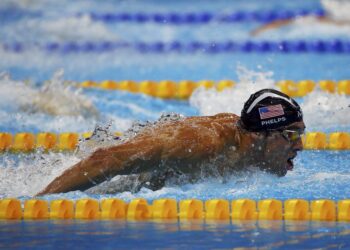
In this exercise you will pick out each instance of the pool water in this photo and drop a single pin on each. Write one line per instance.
(38, 94)
(173, 235)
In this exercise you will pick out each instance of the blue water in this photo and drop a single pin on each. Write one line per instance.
(317, 174)
(173, 235)
(192, 67)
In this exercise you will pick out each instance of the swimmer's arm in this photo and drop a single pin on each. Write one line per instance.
(272, 25)
(136, 156)
(185, 142)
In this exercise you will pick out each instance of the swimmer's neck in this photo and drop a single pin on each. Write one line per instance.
(251, 148)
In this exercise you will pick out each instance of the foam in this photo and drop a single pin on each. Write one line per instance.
(53, 98)
(331, 176)
(337, 9)
(14, 94)
(210, 102)
(323, 110)
(29, 174)
(252, 183)
(55, 106)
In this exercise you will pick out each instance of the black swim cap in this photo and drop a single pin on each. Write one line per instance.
(269, 109)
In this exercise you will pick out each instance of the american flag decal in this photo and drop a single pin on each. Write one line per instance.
(271, 111)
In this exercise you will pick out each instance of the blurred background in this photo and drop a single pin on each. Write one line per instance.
(123, 39)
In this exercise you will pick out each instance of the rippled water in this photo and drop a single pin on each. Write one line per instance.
(166, 235)
(43, 95)
(38, 93)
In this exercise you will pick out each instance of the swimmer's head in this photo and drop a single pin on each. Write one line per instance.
(274, 122)
(269, 109)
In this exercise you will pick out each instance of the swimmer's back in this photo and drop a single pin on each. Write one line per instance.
(194, 137)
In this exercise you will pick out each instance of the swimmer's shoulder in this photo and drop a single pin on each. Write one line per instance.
(220, 118)
(228, 121)
(226, 116)
(215, 117)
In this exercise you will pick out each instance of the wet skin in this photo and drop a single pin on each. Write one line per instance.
(184, 146)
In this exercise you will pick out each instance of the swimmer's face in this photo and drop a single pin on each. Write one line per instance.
(281, 147)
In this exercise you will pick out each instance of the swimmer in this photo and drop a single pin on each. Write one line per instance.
(267, 135)
(336, 14)
(55, 97)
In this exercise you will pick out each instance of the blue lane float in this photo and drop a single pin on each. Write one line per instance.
(201, 17)
(317, 46)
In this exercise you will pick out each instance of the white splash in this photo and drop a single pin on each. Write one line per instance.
(337, 9)
(31, 173)
(55, 97)
(323, 110)
(101, 137)
(14, 94)
(210, 101)
(330, 176)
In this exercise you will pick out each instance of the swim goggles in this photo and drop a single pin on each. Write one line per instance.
(292, 135)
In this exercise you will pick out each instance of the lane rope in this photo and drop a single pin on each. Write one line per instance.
(176, 18)
(168, 89)
(189, 209)
(26, 142)
(214, 47)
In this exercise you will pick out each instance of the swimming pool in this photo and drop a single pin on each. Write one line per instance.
(35, 25)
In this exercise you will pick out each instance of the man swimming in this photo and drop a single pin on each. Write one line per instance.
(336, 14)
(267, 135)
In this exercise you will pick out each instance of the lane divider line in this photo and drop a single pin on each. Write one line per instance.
(25, 142)
(168, 89)
(176, 18)
(213, 47)
(169, 209)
